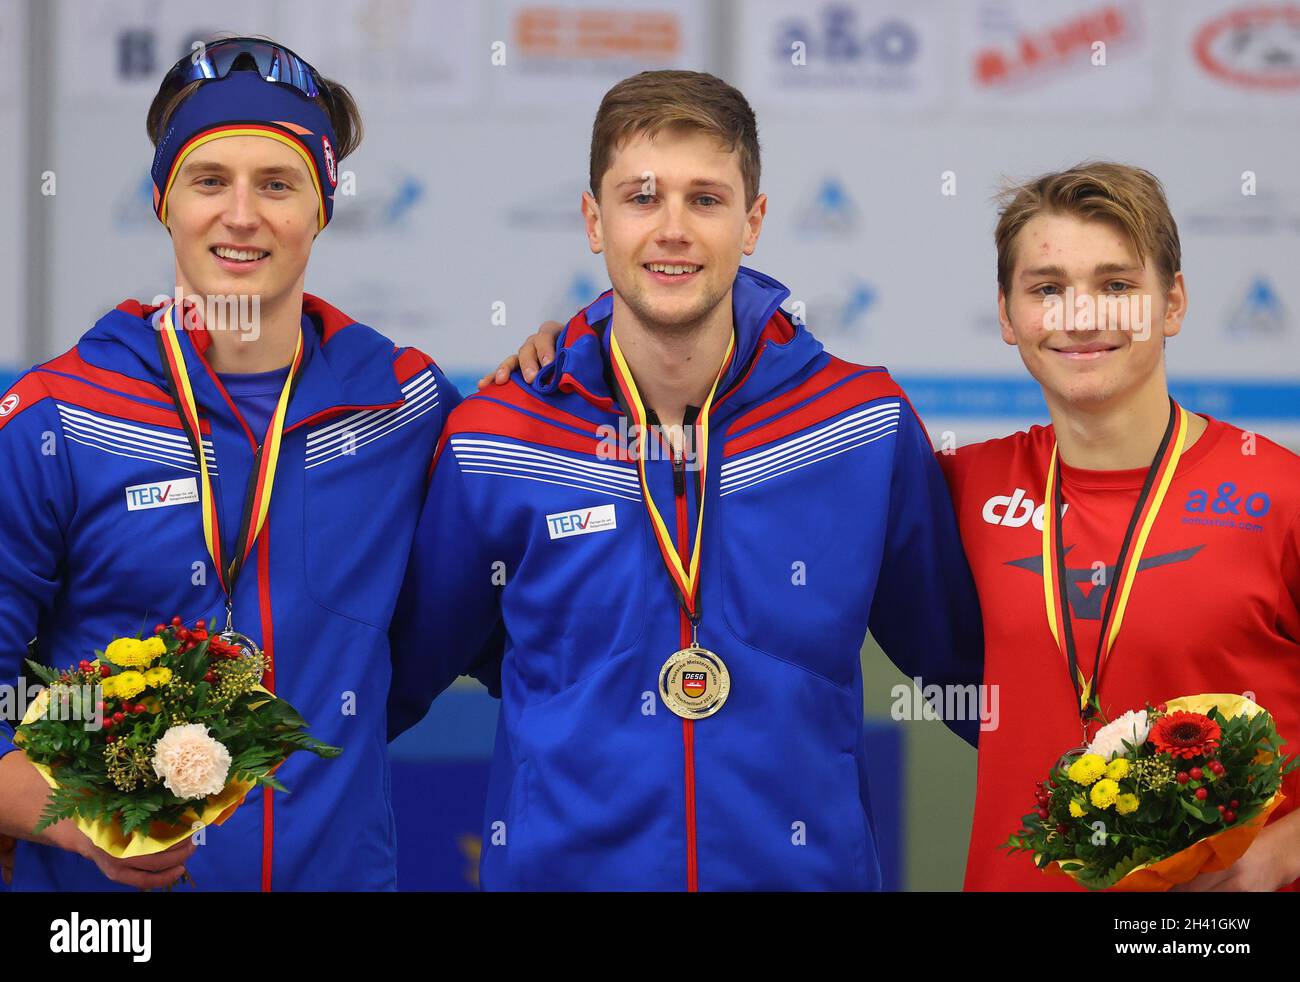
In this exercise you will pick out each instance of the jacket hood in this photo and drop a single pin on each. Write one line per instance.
(349, 365)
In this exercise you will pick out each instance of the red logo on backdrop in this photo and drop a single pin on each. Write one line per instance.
(1254, 47)
(331, 166)
(553, 32)
(1068, 43)
(694, 683)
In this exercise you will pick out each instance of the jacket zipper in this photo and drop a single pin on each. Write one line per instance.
(268, 646)
(268, 642)
(688, 725)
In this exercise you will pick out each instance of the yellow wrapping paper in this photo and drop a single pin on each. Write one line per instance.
(1213, 853)
(213, 810)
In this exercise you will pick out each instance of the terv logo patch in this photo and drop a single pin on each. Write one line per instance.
(140, 497)
(563, 524)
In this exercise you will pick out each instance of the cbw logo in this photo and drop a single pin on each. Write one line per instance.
(563, 524)
(1015, 510)
(1228, 502)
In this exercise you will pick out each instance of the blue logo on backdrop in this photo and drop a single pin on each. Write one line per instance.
(839, 38)
(133, 207)
(837, 316)
(383, 210)
(834, 48)
(137, 52)
(582, 290)
(831, 212)
(1260, 312)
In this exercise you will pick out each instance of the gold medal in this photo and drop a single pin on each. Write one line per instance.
(694, 682)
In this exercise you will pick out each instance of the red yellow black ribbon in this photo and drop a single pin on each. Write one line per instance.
(1055, 586)
(258, 501)
(685, 577)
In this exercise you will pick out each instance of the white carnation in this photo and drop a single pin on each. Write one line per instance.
(190, 763)
(1132, 727)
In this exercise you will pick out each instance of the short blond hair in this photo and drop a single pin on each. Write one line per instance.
(652, 102)
(1128, 197)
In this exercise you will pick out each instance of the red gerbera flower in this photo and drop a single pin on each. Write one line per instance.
(1186, 735)
(220, 649)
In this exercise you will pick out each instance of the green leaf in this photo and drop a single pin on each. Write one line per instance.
(194, 665)
(42, 672)
(271, 782)
(1192, 808)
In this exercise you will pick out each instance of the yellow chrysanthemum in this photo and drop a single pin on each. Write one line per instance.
(156, 678)
(132, 653)
(1126, 804)
(1117, 768)
(1104, 793)
(109, 687)
(129, 685)
(1087, 769)
(1076, 809)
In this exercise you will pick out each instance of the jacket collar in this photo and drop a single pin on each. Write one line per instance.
(769, 346)
(349, 366)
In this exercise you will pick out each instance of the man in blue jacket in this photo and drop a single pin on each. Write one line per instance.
(101, 522)
(685, 524)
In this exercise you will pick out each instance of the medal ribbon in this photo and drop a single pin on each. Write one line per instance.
(1055, 587)
(257, 504)
(686, 579)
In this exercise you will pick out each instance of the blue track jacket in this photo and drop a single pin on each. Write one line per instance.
(81, 563)
(825, 514)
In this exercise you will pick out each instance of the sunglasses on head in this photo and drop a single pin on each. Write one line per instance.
(274, 62)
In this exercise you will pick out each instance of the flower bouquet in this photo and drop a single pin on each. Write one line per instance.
(1159, 796)
(158, 737)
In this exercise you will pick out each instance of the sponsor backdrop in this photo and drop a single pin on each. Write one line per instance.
(887, 126)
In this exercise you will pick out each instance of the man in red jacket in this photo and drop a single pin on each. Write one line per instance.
(1089, 288)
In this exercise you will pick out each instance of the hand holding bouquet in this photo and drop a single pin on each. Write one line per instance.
(1159, 796)
(158, 737)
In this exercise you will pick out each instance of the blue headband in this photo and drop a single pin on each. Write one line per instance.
(245, 104)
